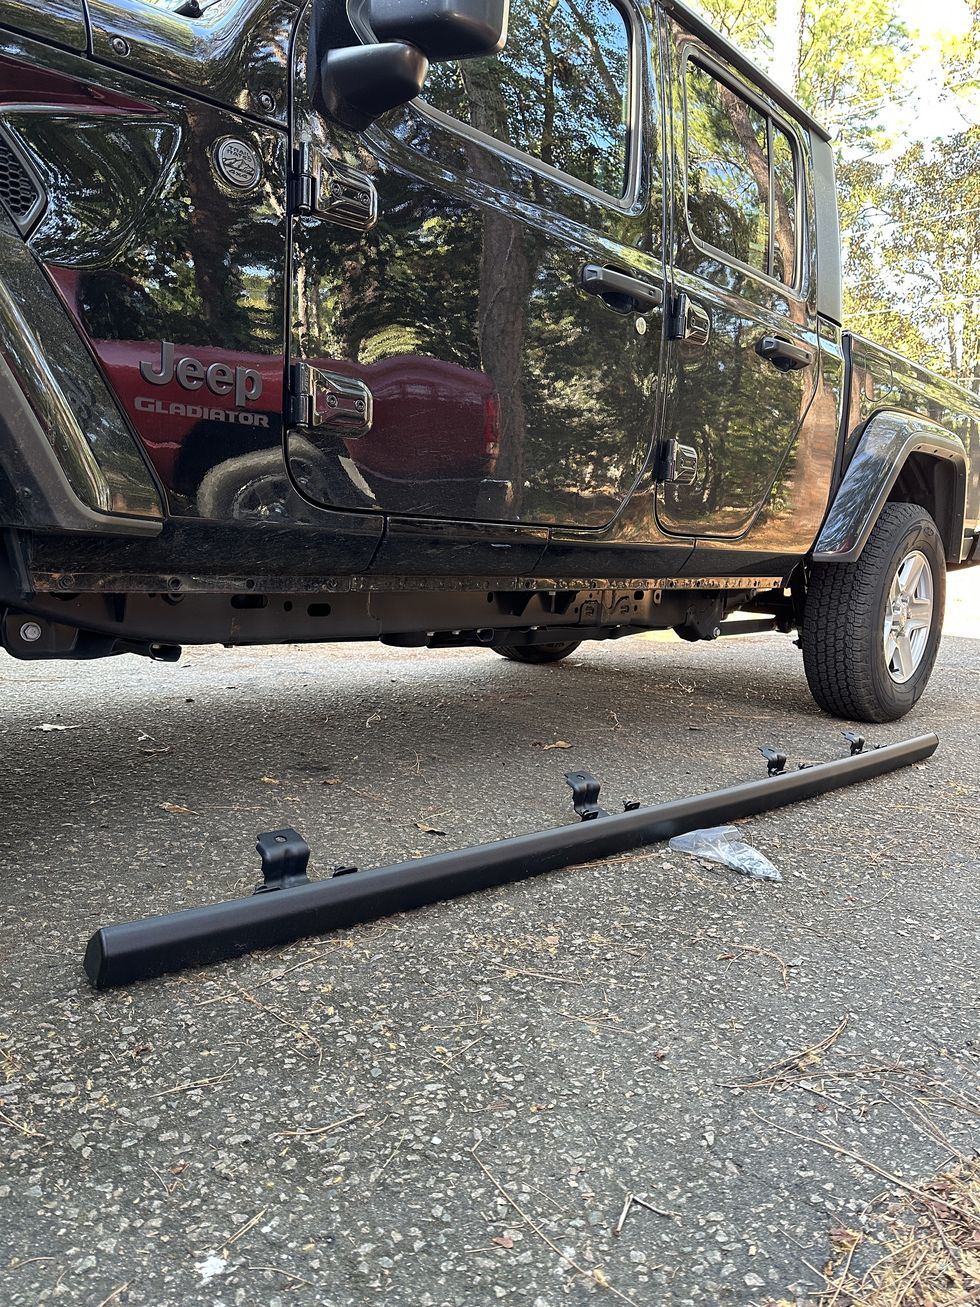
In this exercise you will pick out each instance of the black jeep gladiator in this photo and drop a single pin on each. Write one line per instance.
(349, 319)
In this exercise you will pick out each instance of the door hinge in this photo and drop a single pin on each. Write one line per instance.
(329, 402)
(324, 188)
(676, 462)
(689, 321)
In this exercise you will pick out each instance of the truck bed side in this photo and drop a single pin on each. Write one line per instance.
(882, 380)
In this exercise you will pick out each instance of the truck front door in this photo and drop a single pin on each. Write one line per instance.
(460, 345)
(742, 363)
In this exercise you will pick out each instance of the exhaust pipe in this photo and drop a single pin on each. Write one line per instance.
(291, 907)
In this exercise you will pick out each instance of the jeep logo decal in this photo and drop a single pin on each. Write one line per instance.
(192, 374)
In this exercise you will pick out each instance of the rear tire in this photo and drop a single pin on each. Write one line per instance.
(536, 653)
(872, 629)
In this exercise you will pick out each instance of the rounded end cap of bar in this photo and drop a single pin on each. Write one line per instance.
(95, 960)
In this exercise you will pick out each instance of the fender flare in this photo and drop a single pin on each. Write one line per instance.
(888, 442)
(68, 457)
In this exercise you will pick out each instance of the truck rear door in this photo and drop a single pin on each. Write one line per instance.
(461, 346)
(743, 356)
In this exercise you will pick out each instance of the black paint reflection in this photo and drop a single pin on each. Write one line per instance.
(738, 224)
(476, 263)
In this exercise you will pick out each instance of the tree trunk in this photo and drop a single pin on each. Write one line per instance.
(506, 274)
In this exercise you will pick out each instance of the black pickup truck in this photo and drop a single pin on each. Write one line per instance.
(349, 319)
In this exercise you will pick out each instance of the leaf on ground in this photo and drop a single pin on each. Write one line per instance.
(334, 780)
(558, 744)
(503, 1241)
(427, 830)
(269, 780)
(177, 809)
(843, 1237)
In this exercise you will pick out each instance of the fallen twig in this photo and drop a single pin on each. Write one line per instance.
(612, 1023)
(390, 1158)
(840, 1151)
(761, 952)
(278, 1270)
(249, 1225)
(278, 1016)
(657, 1211)
(192, 1084)
(618, 1227)
(319, 1129)
(595, 1275)
(799, 1062)
(114, 1295)
(19, 1125)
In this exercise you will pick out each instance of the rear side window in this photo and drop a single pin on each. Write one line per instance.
(785, 222)
(559, 90)
(742, 178)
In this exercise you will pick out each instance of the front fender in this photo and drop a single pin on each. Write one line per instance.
(69, 459)
(888, 442)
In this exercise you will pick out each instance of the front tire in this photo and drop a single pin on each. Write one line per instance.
(536, 653)
(872, 629)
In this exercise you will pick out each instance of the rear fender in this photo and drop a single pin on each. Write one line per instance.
(893, 449)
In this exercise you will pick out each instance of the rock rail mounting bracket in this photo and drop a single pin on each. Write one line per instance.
(585, 793)
(290, 906)
(285, 856)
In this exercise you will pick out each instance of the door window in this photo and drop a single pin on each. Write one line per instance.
(559, 91)
(741, 177)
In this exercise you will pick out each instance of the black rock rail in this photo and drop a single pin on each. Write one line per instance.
(292, 907)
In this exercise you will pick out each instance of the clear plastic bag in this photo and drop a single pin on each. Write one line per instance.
(721, 844)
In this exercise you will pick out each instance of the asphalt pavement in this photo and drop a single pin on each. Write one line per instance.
(449, 1108)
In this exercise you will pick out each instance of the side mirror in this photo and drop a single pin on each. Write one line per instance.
(355, 84)
(359, 83)
(443, 29)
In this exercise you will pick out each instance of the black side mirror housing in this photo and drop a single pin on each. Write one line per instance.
(443, 29)
(355, 84)
(359, 83)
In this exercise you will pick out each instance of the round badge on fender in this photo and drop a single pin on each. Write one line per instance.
(238, 163)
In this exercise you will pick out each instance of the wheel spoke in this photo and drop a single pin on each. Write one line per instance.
(891, 646)
(904, 655)
(910, 575)
(909, 616)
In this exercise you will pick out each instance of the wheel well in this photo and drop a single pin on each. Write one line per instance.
(200, 452)
(932, 483)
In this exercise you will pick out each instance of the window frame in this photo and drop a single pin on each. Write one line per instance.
(640, 40)
(721, 73)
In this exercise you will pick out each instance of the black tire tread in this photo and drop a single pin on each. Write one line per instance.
(536, 654)
(840, 622)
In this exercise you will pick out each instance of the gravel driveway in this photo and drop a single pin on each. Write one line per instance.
(450, 1107)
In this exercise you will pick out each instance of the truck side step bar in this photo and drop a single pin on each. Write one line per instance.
(288, 906)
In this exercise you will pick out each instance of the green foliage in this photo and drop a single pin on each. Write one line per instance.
(962, 60)
(850, 65)
(910, 218)
(928, 243)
